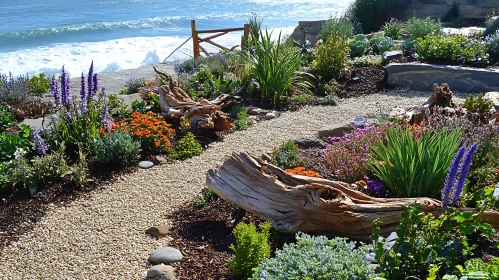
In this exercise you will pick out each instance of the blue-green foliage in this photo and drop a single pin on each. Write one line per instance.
(359, 45)
(381, 44)
(117, 148)
(317, 258)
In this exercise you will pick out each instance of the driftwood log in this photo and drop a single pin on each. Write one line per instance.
(294, 203)
(203, 115)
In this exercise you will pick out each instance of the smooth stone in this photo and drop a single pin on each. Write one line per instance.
(165, 255)
(130, 98)
(256, 111)
(359, 122)
(309, 142)
(146, 164)
(40, 123)
(271, 115)
(391, 55)
(161, 160)
(161, 271)
(335, 130)
(158, 231)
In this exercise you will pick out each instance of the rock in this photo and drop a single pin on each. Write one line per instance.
(165, 255)
(420, 76)
(391, 55)
(161, 160)
(271, 115)
(158, 231)
(335, 130)
(130, 98)
(309, 142)
(307, 31)
(161, 272)
(40, 123)
(146, 164)
(253, 111)
(396, 113)
(494, 97)
(359, 122)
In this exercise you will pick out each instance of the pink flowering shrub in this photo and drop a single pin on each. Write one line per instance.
(347, 156)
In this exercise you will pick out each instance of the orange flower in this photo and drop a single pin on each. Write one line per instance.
(300, 170)
(157, 143)
(137, 133)
(102, 131)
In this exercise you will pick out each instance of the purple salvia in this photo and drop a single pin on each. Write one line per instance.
(83, 95)
(91, 80)
(96, 83)
(108, 123)
(451, 175)
(38, 143)
(63, 87)
(54, 89)
(465, 168)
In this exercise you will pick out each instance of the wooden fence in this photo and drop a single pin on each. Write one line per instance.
(219, 32)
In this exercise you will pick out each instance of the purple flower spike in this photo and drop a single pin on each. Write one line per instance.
(90, 80)
(64, 94)
(83, 95)
(38, 143)
(96, 83)
(465, 168)
(54, 89)
(106, 121)
(451, 175)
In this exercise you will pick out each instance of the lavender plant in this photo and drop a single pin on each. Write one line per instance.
(14, 88)
(38, 143)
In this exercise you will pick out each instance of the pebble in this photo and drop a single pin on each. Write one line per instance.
(158, 231)
(167, 272)
(146, 164)
(165, 255)
(271, 115)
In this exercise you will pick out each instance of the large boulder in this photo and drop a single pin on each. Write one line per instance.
(308, 30)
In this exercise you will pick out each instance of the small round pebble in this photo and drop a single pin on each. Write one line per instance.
(165, 255)
(146, 164)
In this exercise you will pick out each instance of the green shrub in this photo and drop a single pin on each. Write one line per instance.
(5, 119)
(420, 28)
(79, 171)
(286, 156)
(39, 84)
(331, 99)
(10, 143)
(274, 68)
(5, 178)
(334, 26)
(139, 106)
(414, 168)
(454, 48)
(14, 89)
(317, 258)
(117, 148)
(493, 48)
(251, 248)
(359, 45)
(331, 57)
(186, 147)
(134, 84)
(408, 47)
(366, 60)
(478, 104)
(371, 14)
(242, 121)
(380, 44)
(207, 196)
(394, 29)
(117, 105)
(302, 98)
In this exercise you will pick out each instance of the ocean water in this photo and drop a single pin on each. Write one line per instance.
(42, 36)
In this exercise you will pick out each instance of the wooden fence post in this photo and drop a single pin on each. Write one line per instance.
(195, 40)
(244, 40)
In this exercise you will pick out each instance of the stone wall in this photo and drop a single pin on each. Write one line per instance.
(419, 76)
(470, 9)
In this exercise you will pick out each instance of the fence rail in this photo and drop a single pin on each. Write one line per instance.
(197, 48)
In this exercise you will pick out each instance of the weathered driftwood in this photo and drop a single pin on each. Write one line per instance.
(204, 115)
(294, 203)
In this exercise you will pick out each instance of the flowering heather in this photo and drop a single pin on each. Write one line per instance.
(38, 143)
(54, 89)
(347, 156)
(90, 82)
(83, 95)
(453, 186)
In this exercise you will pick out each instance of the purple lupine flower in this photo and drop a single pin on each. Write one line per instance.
(83, 95)
(68, 90)
(376, 187)
(96, 83)
(90, 80)
(451, 175)
(108, 123)
(465, 168)
(64, 93)
(54, 89)
(38, 143)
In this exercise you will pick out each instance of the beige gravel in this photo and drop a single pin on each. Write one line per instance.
(102, 236)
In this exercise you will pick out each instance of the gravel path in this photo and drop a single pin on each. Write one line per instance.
(102, 237)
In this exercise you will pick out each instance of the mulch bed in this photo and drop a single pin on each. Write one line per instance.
(370, 81)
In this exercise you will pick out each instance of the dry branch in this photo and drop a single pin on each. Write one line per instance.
(294, 203)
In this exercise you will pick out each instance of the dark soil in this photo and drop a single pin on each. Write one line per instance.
(370, 81)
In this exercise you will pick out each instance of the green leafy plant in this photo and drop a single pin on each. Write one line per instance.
(251, 248)
(331, 57)
(336, 25)
(39, 84)
(255, 26)
(117, 105)
(186, 147)
(124, 91)
(286, 156)
(118, 147)
(317, 258)
(359, 45)
(303, 99)
(139, 106)
(394, 29)
(479, 105)
(274, 68)
(79, 171)
(207, 196)
(420, 28)
(331, 99)
(6, 119)
(493, 47)
(381, 44)
(10, 143)
(453, 48)
(133, 85)
(413, 167)
(242, 120)
(366, 60)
